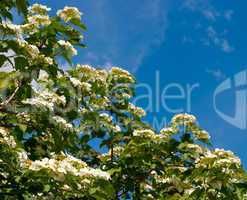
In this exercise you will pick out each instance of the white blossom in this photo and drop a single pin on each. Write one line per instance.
(67, 164)
(94, 172)
(86, 86)
(75, 82)
(183, 119)
(168, 131)
(16, 29)
(117, 128)
(22, 155)
(43, 75)
(31, 49)
(137, 110)
(118, 72)
(85, 68)
(62, 122)
(106, 117)
(41, 20)
(6, 138)
(38, 9)
(143, 133)
(201, 135)
(68, 47)
(48, 60)
(194, 147)
(30, 28)
(36, 101)
(69, 13)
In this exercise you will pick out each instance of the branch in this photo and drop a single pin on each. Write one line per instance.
(12, 64)
(7, 125)
(10, 98)
(4, 110)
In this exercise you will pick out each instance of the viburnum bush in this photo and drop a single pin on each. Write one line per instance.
(49, 118)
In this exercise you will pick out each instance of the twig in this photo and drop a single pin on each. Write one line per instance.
(10, 98)
(7, 125)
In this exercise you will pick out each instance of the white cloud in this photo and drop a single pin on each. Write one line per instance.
(211, 15)
(204, 7)
(191, 4)
(217, 74)
(187, 40)
(228, 14)
(123, 34)
(226, 47)
(218, 41)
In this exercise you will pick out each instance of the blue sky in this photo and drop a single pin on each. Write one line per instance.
(191, 42)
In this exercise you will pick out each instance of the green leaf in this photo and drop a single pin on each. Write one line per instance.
(23, 127)
(21, 62)
(47, 188)
(78, 23)
(22, 6)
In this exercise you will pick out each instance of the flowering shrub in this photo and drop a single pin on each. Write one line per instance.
(49, 117)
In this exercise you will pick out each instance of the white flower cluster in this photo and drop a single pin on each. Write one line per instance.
(38, 9)
(83, 85)
(201, 134)
(150, 135)
(106, 117)
(69, 13)
(23, 116)
(168, 131)
(106, 121)
(52, 97)
(39, 20)
(116, 128)
(219, 158)
(183, 119)
(86, 86)
(173, 180)
(231, 158)
(31, 49)
(44, 60)
(190, 122)
(136, 110)
(71, 51)
(29, 28)
(39, 102)
(91, 172)
(34, 53)
(45, 99)
(194, 148)
(66, 164)
(15, 29)
(23, 158)
(75, 82)
(62, 122)
(92, 75)
(85, 69)
(144, 133)
(117, 150)
(37, 17)
(43, 75)
(6, 138)
(121, 73)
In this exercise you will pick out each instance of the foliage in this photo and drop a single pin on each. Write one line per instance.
(49, 118)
